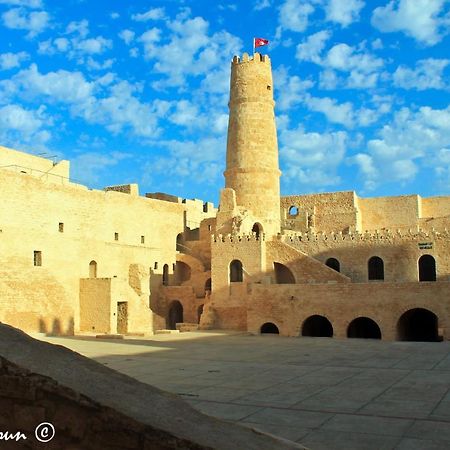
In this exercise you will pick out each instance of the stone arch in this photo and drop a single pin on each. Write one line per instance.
(236, 271)
(283, 275)
(93, 269)
(165, 276)
(257, 229)
(418, 324)
(363, 328)
(317, 326)
(199, 312)
(334, 264)
(269, 328)
(375, 268)
(182, 272)
(174, 315)
(427, 268)
(293, 211)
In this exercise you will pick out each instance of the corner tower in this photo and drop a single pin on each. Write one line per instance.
(252, 150)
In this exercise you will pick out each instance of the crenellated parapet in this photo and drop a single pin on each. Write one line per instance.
(385, 235)
(246, 58)
(242, 238)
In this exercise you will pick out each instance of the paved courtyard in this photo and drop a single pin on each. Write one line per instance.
(323, 393)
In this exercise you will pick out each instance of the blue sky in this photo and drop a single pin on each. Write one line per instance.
(137, 91)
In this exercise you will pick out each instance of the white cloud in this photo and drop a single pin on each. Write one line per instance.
(34, 22)
(11, 60)
(151, 14)
(343, 12)
(81, 28)
(311, 49)
(261, 4)
(114, 15)
(294, 15)
(342, 113)
(25, 3)
(427, 74)
(292, 88)
(127, 36)
(312, 159)
(420, 19)
(413, 139)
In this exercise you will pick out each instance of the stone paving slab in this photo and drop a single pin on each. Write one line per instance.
(324, 393)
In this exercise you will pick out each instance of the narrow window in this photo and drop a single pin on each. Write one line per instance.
(116, 236)
(61, 227)
(165, 277)
(427, 268)
(93, 269)
(236, 271)
(375, 268)
(155, 266)
(142, 239)
(37, 258)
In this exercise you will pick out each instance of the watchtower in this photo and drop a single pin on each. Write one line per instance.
(252, 149)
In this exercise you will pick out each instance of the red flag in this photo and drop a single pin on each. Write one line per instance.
(259, 42)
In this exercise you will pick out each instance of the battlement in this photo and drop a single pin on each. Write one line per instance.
(385, 235)
(246, 58)
(243, 238)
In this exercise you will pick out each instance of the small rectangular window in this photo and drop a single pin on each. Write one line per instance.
(116, 236)
(156, 265)
(37, 258)
(61, 227)
(142, 239)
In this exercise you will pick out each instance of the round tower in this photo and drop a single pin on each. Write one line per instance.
(252, 148)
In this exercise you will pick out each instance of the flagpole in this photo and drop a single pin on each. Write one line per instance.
(253, 46)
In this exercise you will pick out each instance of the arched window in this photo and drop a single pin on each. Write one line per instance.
(165, 277)
(236, 271)
(257, 229)
(293, 211)
(283, 274)
(334, 264)
(182, 272)
(375, 268)
(179, 247)
(93, 269)
(427, 268)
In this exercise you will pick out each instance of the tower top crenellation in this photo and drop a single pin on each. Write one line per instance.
(246, 58)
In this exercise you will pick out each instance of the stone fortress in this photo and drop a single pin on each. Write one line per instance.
(76, 260)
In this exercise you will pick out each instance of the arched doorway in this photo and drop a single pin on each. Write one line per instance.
(418, 324)
(283, 274)
(199, 313)
(93, 269)
(257, 229)
(317, 326)
(165, 277)
(236, 271)
(175, 315)
(269, 328)
(427, 268)
(334, 264)
(363, 328)
(375, 268)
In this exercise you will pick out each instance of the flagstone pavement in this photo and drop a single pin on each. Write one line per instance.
(324, 393)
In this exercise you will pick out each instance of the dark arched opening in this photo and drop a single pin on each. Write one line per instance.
(182, 272)
(180, 242)
(418, 324)
(269, 328)
(334, 264)
(175, 315)
(93, 269)
(257, 229)
(283, 274)
(199, 313)
(208, 285)
(293, 211)
(317, 326)
(165, 277)
(363, 328)
(427, 268)
(375, 267)
(236, 271)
